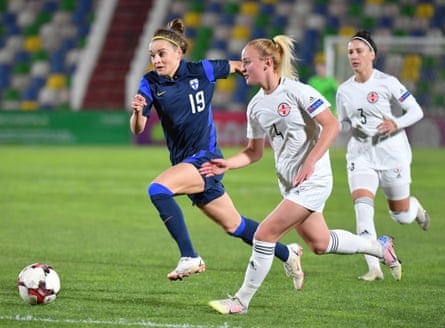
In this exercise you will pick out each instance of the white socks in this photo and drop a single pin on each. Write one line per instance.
(259, 266)
(364, 215)
(345, 242)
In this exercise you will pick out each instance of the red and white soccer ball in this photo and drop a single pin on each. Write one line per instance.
(38, 283)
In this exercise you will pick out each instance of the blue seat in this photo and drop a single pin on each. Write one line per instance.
(84, 30)
(80, 16)
(190, 32)
(84, 6)
(22, 57)
(13, 29)
(57, 62)
(417, 32)
(8, 18)
(320, 8)
(311, 37)
(5, 69)
(215, 7)
(428, 74)
(306, 55)
(50, 6)
(30, 94)
(37, 82)
(279, 21)
(227, 19)
(242, 90)
(5, 75)
(332, 22)
(267, 8)
(9, 21)
(219, 44)
(258, 32)
(67, 45)
(386, 22)
(438, 18)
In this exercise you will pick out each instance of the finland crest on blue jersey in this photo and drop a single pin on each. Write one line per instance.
(194, 84)
(184, 106)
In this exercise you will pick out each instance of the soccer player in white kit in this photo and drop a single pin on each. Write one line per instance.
(298, 123)
(378, 153)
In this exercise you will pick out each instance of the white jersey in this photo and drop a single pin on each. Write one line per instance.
(286, 118)
(363, 106)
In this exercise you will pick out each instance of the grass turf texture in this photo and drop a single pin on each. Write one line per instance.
(86, 212)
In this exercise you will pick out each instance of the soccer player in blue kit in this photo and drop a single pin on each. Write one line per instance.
(181, 93)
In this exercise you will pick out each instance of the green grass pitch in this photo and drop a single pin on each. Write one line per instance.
(85, 211)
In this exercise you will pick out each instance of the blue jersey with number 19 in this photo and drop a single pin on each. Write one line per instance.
(184, 107)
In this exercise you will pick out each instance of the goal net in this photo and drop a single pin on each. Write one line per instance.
(418, 62)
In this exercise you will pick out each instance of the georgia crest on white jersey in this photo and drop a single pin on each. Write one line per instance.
(286, 117)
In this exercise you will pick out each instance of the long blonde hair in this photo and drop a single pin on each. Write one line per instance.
(281, 50)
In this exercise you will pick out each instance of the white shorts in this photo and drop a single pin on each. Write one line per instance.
(395, 183)
(312, 194)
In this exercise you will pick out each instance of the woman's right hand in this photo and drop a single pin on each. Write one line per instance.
(138, 103)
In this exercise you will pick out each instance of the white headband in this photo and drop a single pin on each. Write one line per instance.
(365, 41)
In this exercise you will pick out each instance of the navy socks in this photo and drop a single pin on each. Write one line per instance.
(246, 231)
(171, 215)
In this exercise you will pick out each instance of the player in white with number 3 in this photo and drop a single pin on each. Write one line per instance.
(300, 127)
(378, 152)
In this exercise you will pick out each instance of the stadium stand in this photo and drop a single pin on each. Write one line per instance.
(106, 87)
(309, 22)
(41, 42)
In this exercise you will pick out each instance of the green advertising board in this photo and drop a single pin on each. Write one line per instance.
(65, 128)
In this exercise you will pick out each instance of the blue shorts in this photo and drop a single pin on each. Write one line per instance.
(213, 187)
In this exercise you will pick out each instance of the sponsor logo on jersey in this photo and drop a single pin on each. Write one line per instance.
(405, 95)
(372, 97)
(194, 84)
(284, 109)
(315, 105)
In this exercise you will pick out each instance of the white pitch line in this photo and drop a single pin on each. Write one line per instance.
(120, 322)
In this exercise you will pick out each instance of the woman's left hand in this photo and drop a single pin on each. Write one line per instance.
(304, 173)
